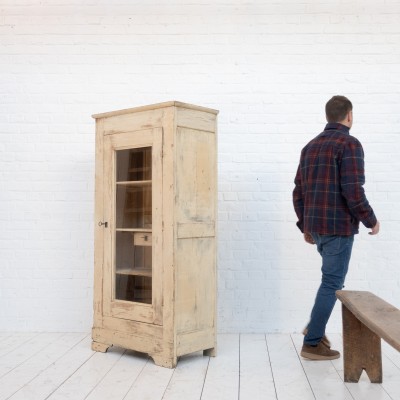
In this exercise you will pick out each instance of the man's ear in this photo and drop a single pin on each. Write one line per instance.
(350, 117)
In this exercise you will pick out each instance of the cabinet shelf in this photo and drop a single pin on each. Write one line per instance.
(134, 183)
(145, 230)
(134, 272)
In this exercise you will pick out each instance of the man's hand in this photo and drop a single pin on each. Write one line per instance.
(308, 238)
(375, 229)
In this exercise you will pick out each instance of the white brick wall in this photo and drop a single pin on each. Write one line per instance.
(269, 67)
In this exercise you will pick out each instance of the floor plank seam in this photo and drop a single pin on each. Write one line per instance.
(33, 355)
(341, 377)
(270, 365)
(107, 372)
(170, 379)
(137, 377)
(391, 360)
(45, 369)
(66, 379)
(240, 377)
(342, 380)
(302, 366)
(22, 362)
(21, 344)
(205, 377)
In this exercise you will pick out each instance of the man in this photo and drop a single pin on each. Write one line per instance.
(329, 201)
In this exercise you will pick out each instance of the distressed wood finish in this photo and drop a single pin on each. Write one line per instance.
(98, 233)
(366, 319)
(181, 316)
(361, 350)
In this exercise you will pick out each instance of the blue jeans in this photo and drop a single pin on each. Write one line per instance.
(335, 252)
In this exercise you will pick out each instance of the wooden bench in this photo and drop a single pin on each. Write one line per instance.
(366, 320)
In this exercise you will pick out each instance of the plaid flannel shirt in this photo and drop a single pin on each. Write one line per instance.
(328, 197)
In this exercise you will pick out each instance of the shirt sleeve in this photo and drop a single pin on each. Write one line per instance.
(352, 179)
(298, 201)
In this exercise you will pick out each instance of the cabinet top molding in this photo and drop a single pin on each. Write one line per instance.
(153, 107)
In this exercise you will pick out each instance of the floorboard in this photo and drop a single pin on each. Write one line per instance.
(187, 382)
(32, 367)
(28, 349)
(256, 379)
(222, 381)
(79, 385)
(120, 378)
(10, 342)
(151, 383)
(323, 377)
(48, 381)
(290, 378)
(62, 366)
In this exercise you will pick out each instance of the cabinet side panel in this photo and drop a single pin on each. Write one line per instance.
(196, 176)
(98, 230)
(196, 119)
(195, 300)
(196, 236)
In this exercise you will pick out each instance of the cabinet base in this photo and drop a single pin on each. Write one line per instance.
(102, 347)
(210, 352)
(163, 361)
(158, 359)
(162, 352)
(167, 362)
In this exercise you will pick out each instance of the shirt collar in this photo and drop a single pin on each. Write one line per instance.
(337, 127)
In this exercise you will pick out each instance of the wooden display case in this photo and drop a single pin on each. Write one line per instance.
(155, 230)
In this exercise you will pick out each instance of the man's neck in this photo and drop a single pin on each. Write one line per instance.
(346, 123)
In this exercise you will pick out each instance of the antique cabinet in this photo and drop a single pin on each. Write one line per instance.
(155, 230)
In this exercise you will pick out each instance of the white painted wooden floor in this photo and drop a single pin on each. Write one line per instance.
(38, 366)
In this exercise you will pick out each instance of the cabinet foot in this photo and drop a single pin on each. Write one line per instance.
(102, 347)
(210, 352)
(163, 361)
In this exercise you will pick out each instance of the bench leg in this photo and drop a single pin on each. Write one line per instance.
(361, 350)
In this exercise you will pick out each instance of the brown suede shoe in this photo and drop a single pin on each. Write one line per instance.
(319, 352)
(324, 339)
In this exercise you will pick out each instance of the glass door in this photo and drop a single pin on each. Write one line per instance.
(133, 276)
(133, 280)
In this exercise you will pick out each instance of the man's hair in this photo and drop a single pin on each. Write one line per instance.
(337, 108)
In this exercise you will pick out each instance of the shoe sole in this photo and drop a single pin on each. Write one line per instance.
(317, 357)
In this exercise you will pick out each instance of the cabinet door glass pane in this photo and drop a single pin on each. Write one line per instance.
(134, 164)
(133, 243)
(133, 206)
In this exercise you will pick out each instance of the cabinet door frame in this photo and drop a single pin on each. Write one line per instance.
(135, 311)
